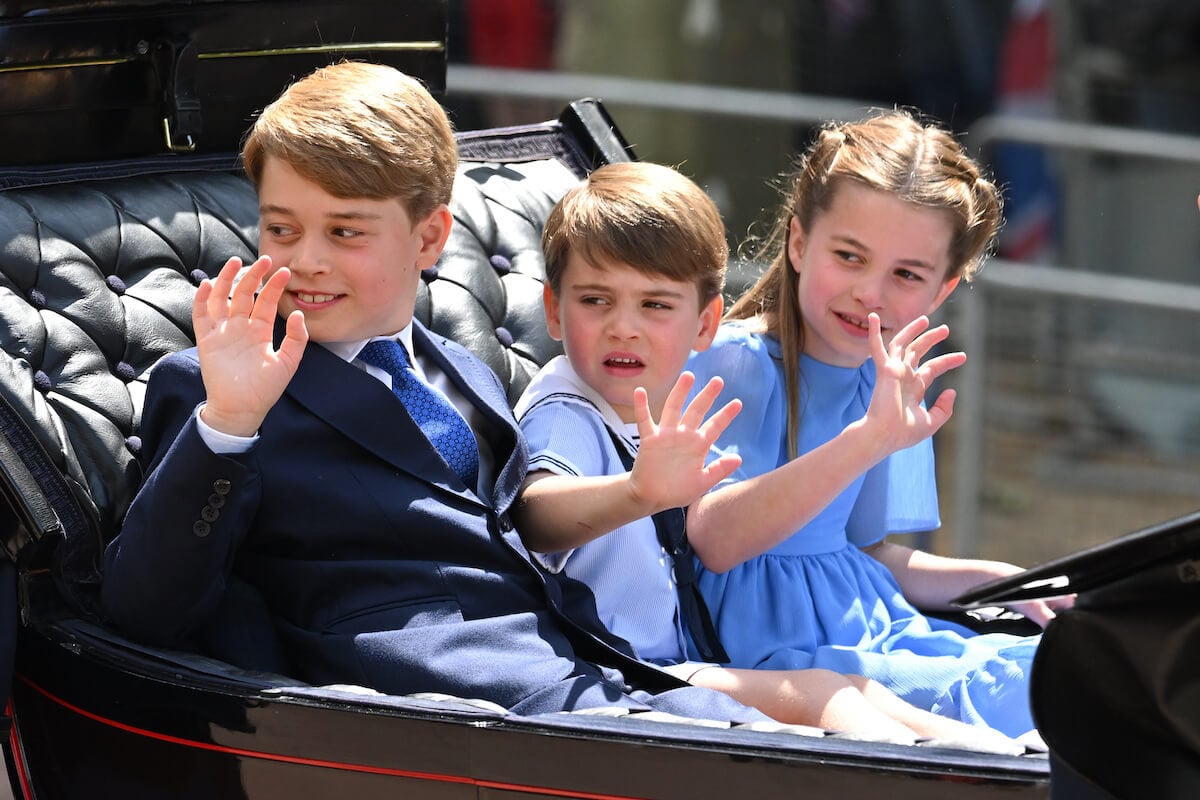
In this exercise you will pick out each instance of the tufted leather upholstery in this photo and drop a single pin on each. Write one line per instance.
(97, 279)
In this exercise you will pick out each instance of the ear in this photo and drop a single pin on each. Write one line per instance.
(795, 243)
(550, 303)
(943, 292)
(434, 230)
(710, 319)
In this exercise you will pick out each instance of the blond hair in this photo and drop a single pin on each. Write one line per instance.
(893, 152)
(647, 216)
(360, 130)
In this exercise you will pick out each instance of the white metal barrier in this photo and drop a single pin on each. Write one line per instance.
(969, 307)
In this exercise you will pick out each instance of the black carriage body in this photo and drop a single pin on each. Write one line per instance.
(102, 242)
(105, 79)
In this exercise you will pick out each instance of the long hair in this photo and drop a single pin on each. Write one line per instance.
(893, 152)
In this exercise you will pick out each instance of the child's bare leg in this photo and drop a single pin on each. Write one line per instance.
(815, 697)
(925, 723)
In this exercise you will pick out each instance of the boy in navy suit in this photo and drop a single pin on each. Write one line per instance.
(277, 454)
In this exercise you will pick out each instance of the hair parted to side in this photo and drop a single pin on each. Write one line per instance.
(648, 216)
(360, 130)
(890, 151)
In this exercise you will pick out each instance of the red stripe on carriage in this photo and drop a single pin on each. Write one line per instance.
(312, 762)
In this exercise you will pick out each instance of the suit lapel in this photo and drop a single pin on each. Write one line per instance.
(363, 410)
(366, 412)
(479, 385)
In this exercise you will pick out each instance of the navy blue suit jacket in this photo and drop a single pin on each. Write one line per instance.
(378, 566)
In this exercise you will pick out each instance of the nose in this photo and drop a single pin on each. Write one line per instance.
(622, 323)
(869, 291)
(308, 257)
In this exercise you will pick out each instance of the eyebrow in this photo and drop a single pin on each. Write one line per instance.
(600, 287)
(271, 208)
(908, 262)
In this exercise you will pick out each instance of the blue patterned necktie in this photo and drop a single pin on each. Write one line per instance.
(438, 418)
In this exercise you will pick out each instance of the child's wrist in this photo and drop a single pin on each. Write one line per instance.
(867, 442)
(229, 424)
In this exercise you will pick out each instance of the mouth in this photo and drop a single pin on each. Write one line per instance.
(856, 324)
(621, 363)
(311, 299)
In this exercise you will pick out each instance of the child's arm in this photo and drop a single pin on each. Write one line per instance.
(746, 518)
(562, 512)
(929, 581)
(243, 373)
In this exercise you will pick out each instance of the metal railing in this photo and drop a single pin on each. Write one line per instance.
(1000, 276)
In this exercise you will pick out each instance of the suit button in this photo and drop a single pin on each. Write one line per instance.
(201, 528)
(209, 514)
(216, 500)
(222, 486)
(506, 523)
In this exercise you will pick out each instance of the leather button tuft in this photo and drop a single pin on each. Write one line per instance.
(125, 371)
(115, 283)
(222, 486)
(42, 382)
(133, 444)
(37, 298)
(430, 275)
(201, 528)
(504, 336)
(198, 276)
(501, 264)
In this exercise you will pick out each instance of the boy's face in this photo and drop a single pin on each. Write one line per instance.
(869, 252)
(622, 328)
(355, 262)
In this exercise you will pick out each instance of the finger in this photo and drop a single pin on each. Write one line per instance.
(641, 413)
(715, 425)
(294, 340)
(941, 411)
(921, 345)
(673, 407)
(222, 287)
(722, 468)
(241, 302)
(934, 368)
(1038, 612)
(879, 353)
(702, 403)
(905, 336)
(266, 305)
(200, 317)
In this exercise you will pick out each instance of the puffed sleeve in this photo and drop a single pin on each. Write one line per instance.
(751, 372)
(899, 495)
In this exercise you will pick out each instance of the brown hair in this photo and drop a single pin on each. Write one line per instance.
(646, 215)
(893, 152)
(360, 130)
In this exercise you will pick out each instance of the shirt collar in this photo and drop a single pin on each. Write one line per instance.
(348, 351)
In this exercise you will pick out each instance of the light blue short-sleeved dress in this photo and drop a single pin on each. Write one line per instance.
(816, 600)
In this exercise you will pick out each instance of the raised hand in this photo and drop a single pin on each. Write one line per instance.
(244, 375)
(672, 467)
(902, 381)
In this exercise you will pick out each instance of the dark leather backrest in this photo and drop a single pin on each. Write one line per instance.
(96, 284)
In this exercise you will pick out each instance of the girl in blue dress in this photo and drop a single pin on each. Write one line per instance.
(884, 217)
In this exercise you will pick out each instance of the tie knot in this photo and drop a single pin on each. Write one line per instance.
(386, 354)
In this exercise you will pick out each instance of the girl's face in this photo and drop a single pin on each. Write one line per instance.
(869, 252)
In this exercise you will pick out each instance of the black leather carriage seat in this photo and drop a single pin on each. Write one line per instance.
(97, 277)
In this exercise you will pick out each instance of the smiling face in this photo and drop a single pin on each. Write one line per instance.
(622, 328)
(870, 251)
(355, 262)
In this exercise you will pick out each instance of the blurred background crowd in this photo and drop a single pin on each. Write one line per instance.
(1080, 420)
